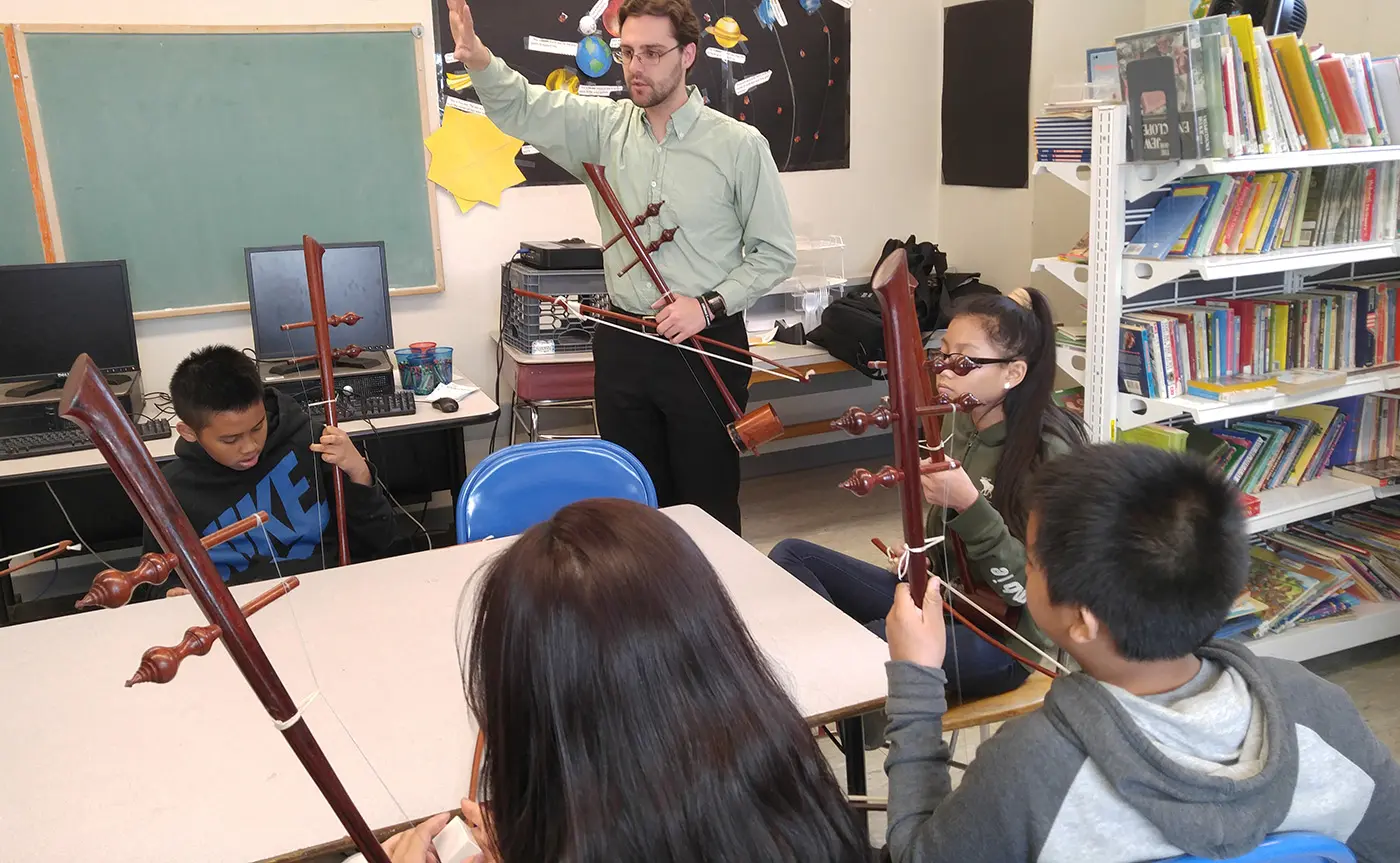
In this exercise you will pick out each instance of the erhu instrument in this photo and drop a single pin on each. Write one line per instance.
(914, 404)
(747, 431)
(325, 357)
(89, 402)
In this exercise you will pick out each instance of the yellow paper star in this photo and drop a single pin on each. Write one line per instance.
(472, 159)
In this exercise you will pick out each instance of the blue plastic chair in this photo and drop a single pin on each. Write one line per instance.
(1288, 848)
(527, 483)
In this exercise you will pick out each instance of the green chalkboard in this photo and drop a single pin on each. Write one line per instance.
(19, 229)
(177, 151)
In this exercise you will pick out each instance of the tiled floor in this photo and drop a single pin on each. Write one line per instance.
(809, 505)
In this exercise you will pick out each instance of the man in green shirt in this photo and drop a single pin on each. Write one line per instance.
(718, 187)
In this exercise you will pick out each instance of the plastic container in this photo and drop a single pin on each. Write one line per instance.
(422, 366)
(538, 327)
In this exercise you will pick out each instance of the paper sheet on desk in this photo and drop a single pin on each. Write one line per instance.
(450, 391)
(473, 159)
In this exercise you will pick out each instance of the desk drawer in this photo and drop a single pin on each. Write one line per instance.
(554, 381)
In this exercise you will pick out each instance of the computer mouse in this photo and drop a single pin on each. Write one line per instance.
(446, 405)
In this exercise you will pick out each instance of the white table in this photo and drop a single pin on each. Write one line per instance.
(194, 770)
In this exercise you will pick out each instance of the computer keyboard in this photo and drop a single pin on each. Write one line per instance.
(69, 439)
(350, 407)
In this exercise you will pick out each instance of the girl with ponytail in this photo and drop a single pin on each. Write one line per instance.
(980, 506)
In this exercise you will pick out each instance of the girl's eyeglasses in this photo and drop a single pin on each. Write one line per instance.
(947, 358)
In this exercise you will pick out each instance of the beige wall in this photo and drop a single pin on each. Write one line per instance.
(888, 190)
(999, 231)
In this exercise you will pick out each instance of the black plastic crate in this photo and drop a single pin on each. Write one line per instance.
(537, 327)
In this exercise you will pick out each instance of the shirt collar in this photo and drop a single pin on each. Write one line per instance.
(685, 117)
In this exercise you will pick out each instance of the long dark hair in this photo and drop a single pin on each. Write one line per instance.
(628, 713)
(1022, 325)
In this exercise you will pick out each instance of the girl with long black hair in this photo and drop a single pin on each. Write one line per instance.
(629, 716)
(980, 506)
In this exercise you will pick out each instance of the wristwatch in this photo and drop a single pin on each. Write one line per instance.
(715, 303)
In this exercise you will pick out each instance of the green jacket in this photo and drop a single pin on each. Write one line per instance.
(994, 557)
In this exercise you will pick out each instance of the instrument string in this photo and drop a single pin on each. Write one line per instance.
(574, 310)
(317, 692)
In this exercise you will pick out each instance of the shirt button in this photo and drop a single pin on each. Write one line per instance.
(653, 184)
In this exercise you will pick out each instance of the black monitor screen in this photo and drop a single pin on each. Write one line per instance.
(51, 313)
(357, 281)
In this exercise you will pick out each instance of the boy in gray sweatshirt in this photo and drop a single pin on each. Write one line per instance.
(1167, 742)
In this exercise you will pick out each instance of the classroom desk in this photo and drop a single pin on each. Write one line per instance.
(565, 381)
(22, 492)
(475, 409)
(194, 770)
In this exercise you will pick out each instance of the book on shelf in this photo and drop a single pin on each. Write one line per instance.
(1381, 472)
(1260, 213)
(1072, 335)
(1071, 399)
(1079, 254)
(1227, 349)
(1252, 505)
(1297, 382)
(1234, 388)
(1235, 91)
(1287, 588)
(1155, 71)
(1331, 607)
(1289, 447)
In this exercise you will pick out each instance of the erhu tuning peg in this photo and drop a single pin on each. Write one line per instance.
(862, 482)
(855, 420)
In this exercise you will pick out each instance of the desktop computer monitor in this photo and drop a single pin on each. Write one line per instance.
(54, 312)
(357, 280)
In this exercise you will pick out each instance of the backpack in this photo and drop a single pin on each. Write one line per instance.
(852, 328)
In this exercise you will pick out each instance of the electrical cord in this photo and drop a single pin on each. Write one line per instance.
(53, 578)
(86, 545)
(501, 359)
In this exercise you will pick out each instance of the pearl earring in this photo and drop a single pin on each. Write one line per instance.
(1006, 386)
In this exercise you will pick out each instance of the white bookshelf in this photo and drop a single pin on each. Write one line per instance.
(1109, 280)
(1141, 275)
(1284, 505)
(1141, 178)
(1368, 622)
(1134, 411)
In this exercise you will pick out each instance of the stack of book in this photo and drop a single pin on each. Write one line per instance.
(1285, 448)
(1065, 134)
(1320, 568)
(1377, 425)
(1237, 349)
(1259, 213)
(1219, 87)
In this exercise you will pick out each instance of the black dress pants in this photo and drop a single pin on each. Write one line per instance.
(659, 402)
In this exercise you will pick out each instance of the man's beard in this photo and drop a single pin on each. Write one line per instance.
(657, 92)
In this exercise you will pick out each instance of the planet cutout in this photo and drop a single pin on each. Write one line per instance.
(726, 32)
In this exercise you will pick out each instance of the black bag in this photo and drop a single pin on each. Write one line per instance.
(852, 328)
(853, 332)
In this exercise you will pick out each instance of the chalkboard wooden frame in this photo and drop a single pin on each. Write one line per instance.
(425, 99)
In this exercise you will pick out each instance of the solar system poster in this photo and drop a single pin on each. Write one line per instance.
(782, 66)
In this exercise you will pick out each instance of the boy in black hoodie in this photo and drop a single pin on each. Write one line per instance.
(246, 448)
(1168, 742)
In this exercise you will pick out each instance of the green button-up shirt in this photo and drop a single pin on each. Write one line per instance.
(715, 176)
